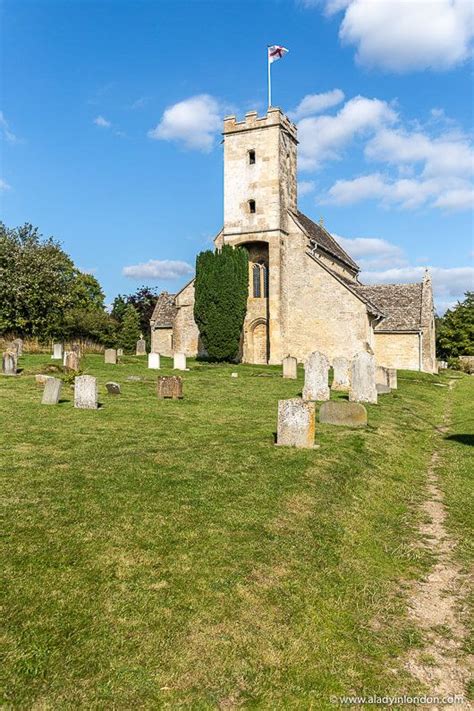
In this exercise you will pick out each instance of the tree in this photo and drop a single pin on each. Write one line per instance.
(118, 308)
(130, 329)
(455, 330)
(144, 300)
(221, 290)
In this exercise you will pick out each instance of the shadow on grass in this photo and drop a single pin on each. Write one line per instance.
(462, 438)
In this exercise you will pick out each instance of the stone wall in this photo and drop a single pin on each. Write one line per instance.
(397, 350)
(185, 331)
(162, 341)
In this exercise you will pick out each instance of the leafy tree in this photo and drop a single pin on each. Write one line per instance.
(455, 330)
(221, 290)
(144, 300)
(86, 292)
(118, 308)
(90, 324)
(130, 329)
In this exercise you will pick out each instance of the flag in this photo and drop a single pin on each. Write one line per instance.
(276, 52)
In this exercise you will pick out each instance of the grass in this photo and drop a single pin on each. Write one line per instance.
(164, 554)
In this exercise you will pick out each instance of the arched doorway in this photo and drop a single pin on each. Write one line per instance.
(258, 333)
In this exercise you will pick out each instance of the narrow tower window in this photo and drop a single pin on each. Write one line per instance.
(252, 206)
(265, 280)
(251, 157)
(257, 292)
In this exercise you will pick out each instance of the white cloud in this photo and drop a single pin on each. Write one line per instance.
(102, 122)
(372, 252)
(194, 122)
(158, 269)
(323, 137)
(456, 199)
(5, 130)
(315, 103)
(305, 187)
(4, 185)
(404, 35)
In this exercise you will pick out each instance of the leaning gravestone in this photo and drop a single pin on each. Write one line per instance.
(350, 414)
(154, 361)
(113, 388)
(170, 386)
(141, 347)
(9, 363)
(341, 380)
(290, 367)
(57, 351)
(363, 379)
(110, 356)
(316, 369)
(71, 361)
(51, 392)
(85, 392)
(296, 423)
(179, 361)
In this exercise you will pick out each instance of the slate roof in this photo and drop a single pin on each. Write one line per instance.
(319, 235)
(401, 304)
(164, 311)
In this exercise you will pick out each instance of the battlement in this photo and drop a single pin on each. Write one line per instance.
(274, 117)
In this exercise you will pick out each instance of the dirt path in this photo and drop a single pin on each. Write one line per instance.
(436, 603)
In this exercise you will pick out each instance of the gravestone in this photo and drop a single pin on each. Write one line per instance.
(170, 386)
(234, 375)
(40, 379)
(113, 388)
(154, 361)
(179, 361)
(363, 379)
(119, 352)
(52, 391)
(134, 378)
(85, 392)
(392, 378)
(382, 389)
(350, 414)
(18, 345)
(316, 370)
(57, 351)
(71, 361)
(296, 423)
(341, 380)
(141, 347)
(290, 367)
(110, 356)
(381, 375)
(9, 363)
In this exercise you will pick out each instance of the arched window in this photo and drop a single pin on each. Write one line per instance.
(260, 280)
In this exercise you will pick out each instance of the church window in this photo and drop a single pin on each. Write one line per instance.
(265, 280)
(251, 157)
(257, 292)
(252, 206)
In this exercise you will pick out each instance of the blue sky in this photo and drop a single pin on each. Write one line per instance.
(111, 115)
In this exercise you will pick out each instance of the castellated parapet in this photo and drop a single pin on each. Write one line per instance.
(259, 173)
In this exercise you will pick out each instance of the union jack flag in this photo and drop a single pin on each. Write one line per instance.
(276, 52)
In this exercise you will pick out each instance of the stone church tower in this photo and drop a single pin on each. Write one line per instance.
(304, 291)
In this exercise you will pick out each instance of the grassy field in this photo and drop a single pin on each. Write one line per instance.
(164, 554)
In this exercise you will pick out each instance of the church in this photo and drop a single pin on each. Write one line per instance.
(304, 289)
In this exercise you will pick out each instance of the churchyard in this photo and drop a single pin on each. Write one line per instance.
(164, 553)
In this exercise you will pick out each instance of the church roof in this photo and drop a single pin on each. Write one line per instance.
(319, 235)
(164, 311)
(401, 304)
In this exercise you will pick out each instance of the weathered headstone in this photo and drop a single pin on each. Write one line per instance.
(10, 363)
(154, 361)
(110, 356)
(85, 392)
(350, 414)
(57, 351)
(382, 389)
(18, 344)
(296, 423)
(41, 378)
(141, 347)
(113, 388)
(119, 352)
(363, 379)
(341, 380)
(290, 367)
(316, 370)
(170, 386)
(381, 375)
(392, 378)
(179, 361)
(71, 361)
(52, 391)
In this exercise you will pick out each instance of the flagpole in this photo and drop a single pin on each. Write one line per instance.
(269, 80)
